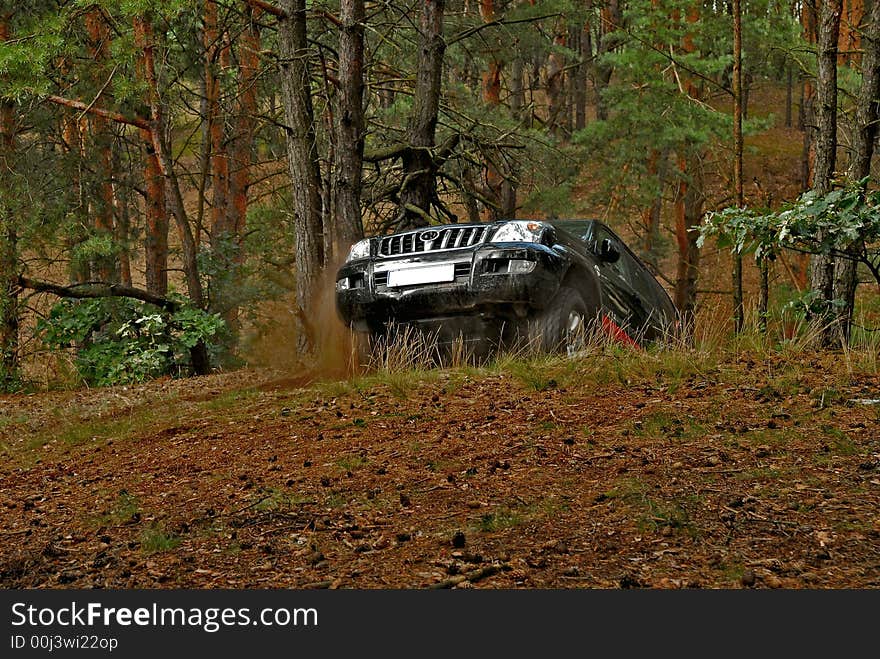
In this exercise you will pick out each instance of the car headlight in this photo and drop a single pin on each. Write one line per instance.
(360, 250)
(519, 231)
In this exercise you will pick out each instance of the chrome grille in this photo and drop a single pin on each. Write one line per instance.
(432, 240)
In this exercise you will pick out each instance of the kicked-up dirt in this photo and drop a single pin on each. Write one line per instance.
(607, 472)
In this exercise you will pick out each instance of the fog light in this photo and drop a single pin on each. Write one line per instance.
(520, 266)
(342, 284)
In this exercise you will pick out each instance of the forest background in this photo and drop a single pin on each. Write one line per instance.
(179, 180)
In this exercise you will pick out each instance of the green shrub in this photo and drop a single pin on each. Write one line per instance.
(121, 341)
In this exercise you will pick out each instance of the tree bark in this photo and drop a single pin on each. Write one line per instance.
(738, 307)
(350, 129)
(419, 166)
(9, 315)
(612, 20)
(143, 33)
(156, 223)
(866, 120)
(688, 215)
(689, 204)
(822, 265)
(302, 159)
(99, 147)
(657, 170)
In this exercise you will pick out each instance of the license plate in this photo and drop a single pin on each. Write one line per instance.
(423, 274)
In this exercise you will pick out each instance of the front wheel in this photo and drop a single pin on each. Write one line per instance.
(562, 326)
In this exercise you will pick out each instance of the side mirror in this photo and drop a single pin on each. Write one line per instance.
(608, 252)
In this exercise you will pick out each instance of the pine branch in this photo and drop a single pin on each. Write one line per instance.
(92, 290)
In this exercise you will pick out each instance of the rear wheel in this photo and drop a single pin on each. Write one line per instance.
(562, 326)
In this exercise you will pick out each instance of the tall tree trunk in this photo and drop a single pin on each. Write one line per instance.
(349, 153)
(657, 170)
(302, 159)
(143, 33)
(99, 146)
(688, 215)
(9, 366)
(156, 223)
(866, 126)
(610, 26)
(822, 265)
(419, 168)
(738, 307)
(217, 56)
(789, 83)
(122, 218)
(79, 268)
(689, 204)
(581, 75)
(556, 85)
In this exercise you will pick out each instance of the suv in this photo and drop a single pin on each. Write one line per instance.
(546, 282)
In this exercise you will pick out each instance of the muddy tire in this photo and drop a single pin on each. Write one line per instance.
(561, 327)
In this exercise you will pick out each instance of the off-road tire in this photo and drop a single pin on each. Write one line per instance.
(561, 327)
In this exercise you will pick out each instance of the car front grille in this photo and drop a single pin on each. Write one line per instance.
(432, 240)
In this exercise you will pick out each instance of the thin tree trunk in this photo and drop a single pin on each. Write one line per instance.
(789, 84)
(764, 293)
(9, 315)
(173, 197)
(738, 307)
(651, 215)
(689, 205)
(822, 265)
(612, 20)
(517, 93)
(99, 149)
(349, 153)
(155, 220)
(302, 159)
(688, 215)
(556, 88)
(419, 167)
(580, 75)
(866, 122)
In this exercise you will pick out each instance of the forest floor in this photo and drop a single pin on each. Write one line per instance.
(613, 470)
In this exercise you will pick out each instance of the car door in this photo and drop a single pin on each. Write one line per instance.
(623, 303)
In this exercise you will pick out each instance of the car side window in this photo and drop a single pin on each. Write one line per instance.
(622, 266)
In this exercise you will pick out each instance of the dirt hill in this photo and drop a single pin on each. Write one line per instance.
(614, 470)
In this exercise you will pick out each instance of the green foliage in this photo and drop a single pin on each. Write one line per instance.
(118, 340)
(813, 223)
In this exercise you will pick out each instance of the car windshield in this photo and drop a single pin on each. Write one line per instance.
(579, 228)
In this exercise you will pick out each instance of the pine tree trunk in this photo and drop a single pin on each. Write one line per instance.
(738, 306)
(419, 168)
(143, 32)
(689, 206)
(99, 146)
(79, 269)
(581, 74)
(155, 220)
(688, 215)
(656, 168)
(302, 160)
(612, 20)
(789, 83)
(866, 126)
(9, 314)
(822, 265)
(349, 152)
(556, 88)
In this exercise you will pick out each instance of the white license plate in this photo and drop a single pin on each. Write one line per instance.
(423, 274)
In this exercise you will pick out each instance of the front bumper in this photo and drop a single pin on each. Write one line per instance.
(484, 284)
